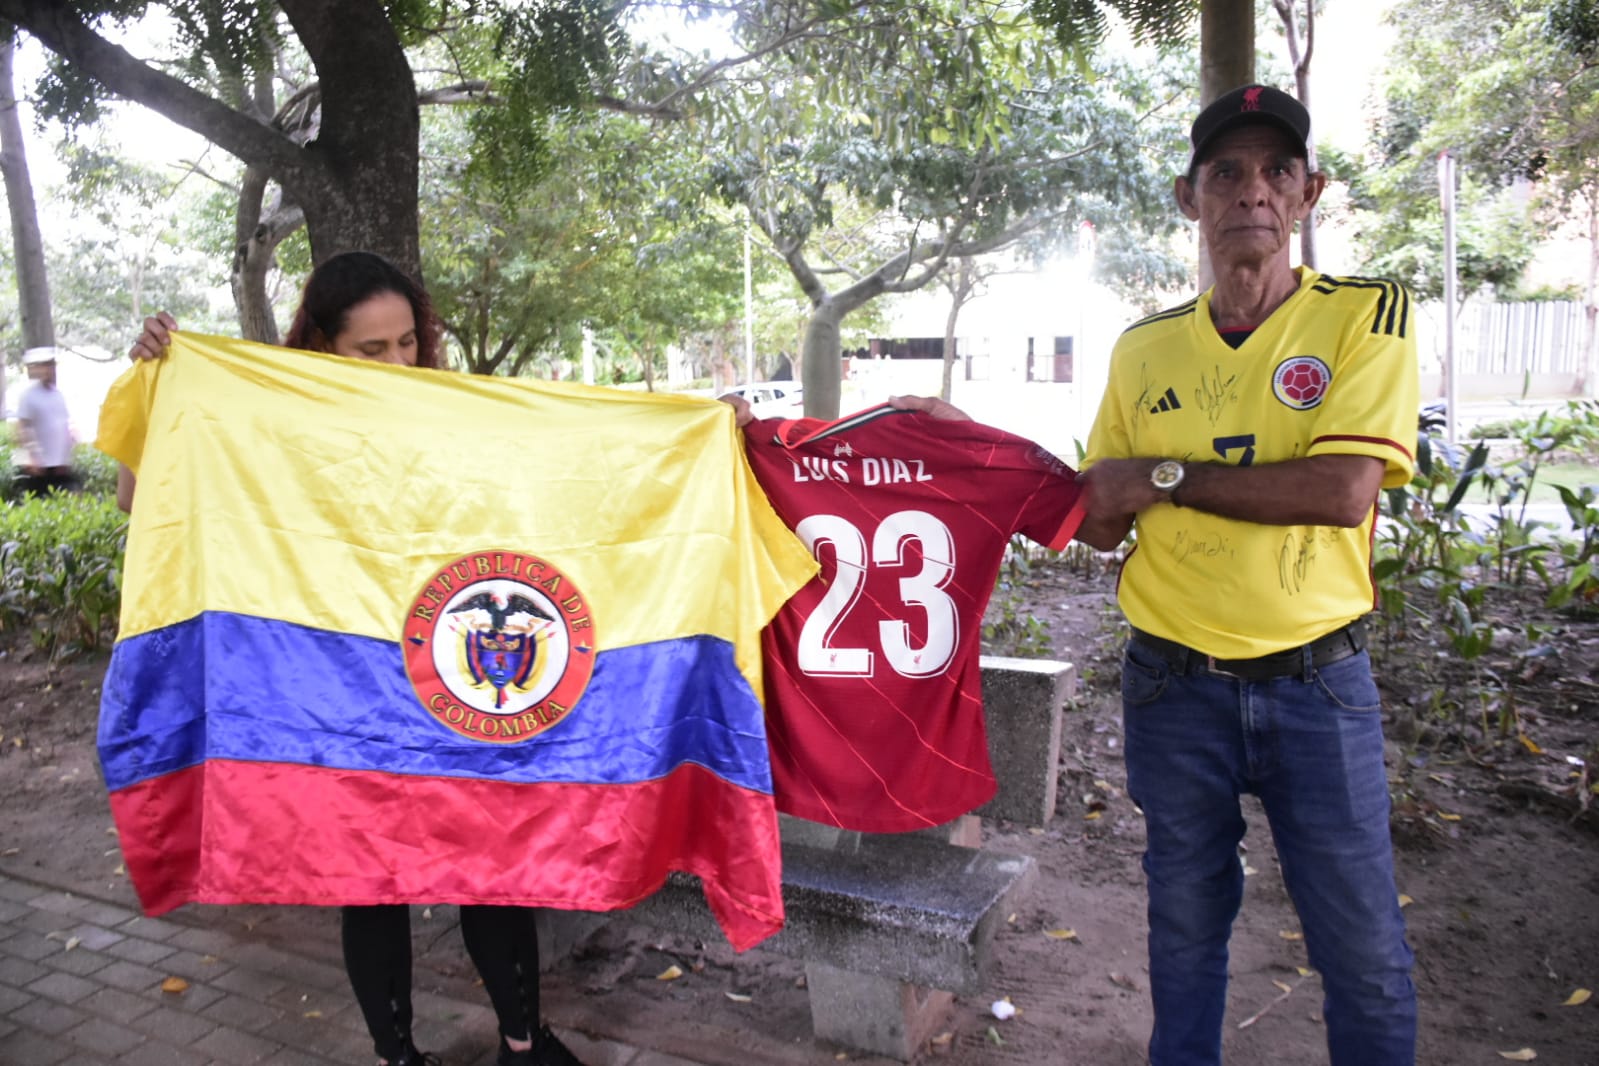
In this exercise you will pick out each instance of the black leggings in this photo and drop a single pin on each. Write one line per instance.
(377, 955)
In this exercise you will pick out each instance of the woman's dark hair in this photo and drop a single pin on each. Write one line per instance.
(347, 279)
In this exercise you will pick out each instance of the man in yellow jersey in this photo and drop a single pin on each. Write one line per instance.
(1246, 435)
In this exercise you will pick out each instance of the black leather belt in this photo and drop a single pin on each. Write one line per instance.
(1339, 644)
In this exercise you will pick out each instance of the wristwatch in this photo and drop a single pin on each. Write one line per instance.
(1166, 476)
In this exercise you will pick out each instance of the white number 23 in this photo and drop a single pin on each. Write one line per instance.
(924, 589)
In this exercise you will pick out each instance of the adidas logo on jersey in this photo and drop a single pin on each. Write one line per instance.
(1167, 402)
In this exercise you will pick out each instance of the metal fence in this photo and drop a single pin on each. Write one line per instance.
(1544, 337)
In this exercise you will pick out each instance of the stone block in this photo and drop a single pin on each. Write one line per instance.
(1022, 704)
(871, 1013)
(902, 906)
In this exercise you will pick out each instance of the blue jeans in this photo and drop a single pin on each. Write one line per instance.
(1310, 746)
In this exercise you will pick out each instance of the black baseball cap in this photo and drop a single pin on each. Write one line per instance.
(1250, 105)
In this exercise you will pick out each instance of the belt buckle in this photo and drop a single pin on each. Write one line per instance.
(1210, 667)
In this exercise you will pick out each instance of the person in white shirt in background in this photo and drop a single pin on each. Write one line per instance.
(44, 437)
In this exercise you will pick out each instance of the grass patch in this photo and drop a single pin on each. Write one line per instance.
(1573, 475)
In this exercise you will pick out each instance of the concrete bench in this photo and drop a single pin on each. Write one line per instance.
(890, 927)
(1022, 704)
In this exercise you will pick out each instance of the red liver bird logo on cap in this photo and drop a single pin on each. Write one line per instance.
(1251, 99)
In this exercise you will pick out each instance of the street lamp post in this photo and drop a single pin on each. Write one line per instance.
(1446, 198)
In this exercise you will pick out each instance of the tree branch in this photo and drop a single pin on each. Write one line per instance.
(59, 28)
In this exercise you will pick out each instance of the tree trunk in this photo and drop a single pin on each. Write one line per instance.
(1226, 61)
(356, 181)
(33, 283)
(257, 233)
(821, 358)
(1299, 59)
(960, 292)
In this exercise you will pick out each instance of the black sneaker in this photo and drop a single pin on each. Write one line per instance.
(547, 1050)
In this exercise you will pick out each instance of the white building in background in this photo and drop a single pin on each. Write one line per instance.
(1032, 352)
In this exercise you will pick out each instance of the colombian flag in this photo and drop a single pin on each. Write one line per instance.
(396, 635)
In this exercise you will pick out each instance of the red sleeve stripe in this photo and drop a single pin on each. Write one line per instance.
(1384, 441)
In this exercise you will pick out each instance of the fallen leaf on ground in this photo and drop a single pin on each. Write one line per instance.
(1446, 816)
(1091, 816)
(1061, 934)
(1124, 981)
(174, 985)
(1526, 1054)
(1250, 871)
(312, 1014)
(9, 852)
(1289, 934)
(738, 997)
(1303, 972)
(1577, 998)
(943, 1040)
(994, 1037)
(1284, 985)
(671, 973)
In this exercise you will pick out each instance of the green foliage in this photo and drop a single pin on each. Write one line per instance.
(1574, 24)
(1078, 23)
(141, 239)
(1510, 88)
(1402, 232)
(545, 58)
(97, 471)
(1435, 570)
(61, 570)
(1009, 628)
(8, 464)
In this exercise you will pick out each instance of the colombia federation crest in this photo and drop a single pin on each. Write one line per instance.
(499, 645)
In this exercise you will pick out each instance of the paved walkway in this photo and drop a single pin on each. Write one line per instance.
(84, 983)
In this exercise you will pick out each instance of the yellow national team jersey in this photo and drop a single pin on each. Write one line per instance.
(1332, 371)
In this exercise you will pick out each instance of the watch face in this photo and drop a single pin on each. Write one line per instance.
(1167, 475)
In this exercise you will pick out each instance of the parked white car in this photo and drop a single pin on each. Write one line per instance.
(772, 399)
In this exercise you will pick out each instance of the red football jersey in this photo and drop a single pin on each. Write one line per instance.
(873, 689)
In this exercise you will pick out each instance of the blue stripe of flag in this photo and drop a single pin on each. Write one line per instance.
(231, 686)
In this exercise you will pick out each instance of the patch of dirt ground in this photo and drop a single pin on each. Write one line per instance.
(1497, 853)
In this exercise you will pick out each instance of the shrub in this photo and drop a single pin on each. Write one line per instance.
(8, 465)
(97, 471)
(61, 569)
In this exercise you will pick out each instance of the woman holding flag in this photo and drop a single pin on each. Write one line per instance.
(359, 305)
